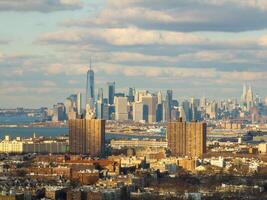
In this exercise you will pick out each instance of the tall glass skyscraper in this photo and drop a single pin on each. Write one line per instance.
(110, 92)
(90, 88)
(168, 105)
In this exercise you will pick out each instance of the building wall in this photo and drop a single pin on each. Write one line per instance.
(138, 111)
(87, 136)
(151, 103)
(121, 108)
(187, 138)
(117, 144)
(11, 146)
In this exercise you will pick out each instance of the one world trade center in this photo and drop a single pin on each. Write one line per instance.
(90, 88)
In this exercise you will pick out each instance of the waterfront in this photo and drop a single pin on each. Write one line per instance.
(53, 132)
(18, 119)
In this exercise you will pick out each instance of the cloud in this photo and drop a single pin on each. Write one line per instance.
(181, 16)
(4, 42)
(258, 4)
(135, 36)
(71, 70)
(263, 41)
(39, 5)
(121, 37)
(183, 72)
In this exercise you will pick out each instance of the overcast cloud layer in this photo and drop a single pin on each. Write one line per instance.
(195, 47)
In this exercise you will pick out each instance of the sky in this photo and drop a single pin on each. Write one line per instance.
(194, 47)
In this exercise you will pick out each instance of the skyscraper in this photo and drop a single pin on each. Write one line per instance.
(138, 111)
(59, 112)
(247, 98)
(109, 92)
(79, 103)
(90, 88)
(100, 94)
(186, 110)
(87, 136)
(131, 93)
(187, 138)
(99, 109)
(168, 104)
(250, 98)
(160, 98)
(150, 102)
(121, 108)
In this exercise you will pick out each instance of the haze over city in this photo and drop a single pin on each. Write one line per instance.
(196, 47)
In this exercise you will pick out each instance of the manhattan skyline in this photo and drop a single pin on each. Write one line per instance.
(195, 48)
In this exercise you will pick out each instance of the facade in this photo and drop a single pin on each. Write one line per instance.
(247, 98)
(79, 103)
(187, 138)
(99, 109)
(121, 108)
(59, 112)
(109, 92)
(262, 148)
(150, 101)
(29, 146)
(168, 105)
(138, 111)
(87, 136)
(118, 144)
(45, 147)
(11, 146)
(131, 93)
(90, 88)
(211, 110)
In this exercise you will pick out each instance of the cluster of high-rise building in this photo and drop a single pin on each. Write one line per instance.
(152, 107)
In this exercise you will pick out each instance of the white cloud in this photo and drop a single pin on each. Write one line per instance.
(259, 4)
(63, 36)
(54, 69)
(135, 36)
(39, 5)
(263, 41)
(122, 36)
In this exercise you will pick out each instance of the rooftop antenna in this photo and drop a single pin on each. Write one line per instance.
(90, 63)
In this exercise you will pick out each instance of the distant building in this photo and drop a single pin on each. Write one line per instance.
(87, 136)
(59, 112)
(212, 109)
(79, 103)
(90, 88)
(262, 148)
(247, 98)
(30, 146)
(109, 92)
(186, 111)
(168, 105)
(134, 143)
(150, 101)
(99, 109)
(138, 110)
(187, 138)
(131, 93)
(121, 108)
(11, 146)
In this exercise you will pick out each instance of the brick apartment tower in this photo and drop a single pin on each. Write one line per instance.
(87, 136)
(187, 138)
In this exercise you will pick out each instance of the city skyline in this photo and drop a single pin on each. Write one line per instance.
(206, 48)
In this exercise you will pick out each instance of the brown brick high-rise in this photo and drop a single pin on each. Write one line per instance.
(187, 138)
(87, 136)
